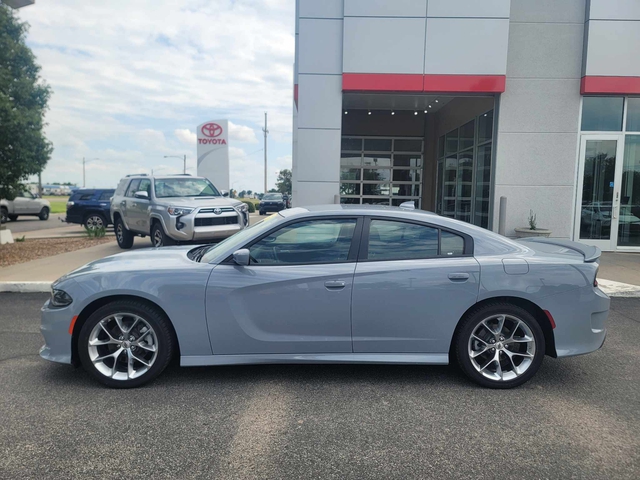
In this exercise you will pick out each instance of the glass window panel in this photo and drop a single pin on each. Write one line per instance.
(407, 160)
(353, 144)
(485, 127)
(351, 159)
(349, 189)
(406, 175)
(629, 227)
(106, 196)
(376, 189)
(450, 169)
(465, 166)
(602, 114)
(375, 201)
(406, 190)
(133, 188)
(377, 160)
(483, 179)
(451, 244)
(597, 190)
(398, 240)
(452, 142)
(441, 147)
(350, 201)
(377, 145)
(439, 186)
(463, 210)
(633, 115)
(350, 174)
(467, 134)
(408, 146)
(309, 242)
(376, 174)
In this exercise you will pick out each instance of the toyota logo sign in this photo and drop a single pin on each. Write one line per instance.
(217, 211)
(211, 130)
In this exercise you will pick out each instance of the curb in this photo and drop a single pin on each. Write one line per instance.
(618, 289)
(25, 287)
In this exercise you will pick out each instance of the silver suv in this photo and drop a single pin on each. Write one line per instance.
(171, 209)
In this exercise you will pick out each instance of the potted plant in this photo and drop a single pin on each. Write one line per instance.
(533, 230)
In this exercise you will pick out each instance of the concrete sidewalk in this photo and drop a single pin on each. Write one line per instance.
(63, 231)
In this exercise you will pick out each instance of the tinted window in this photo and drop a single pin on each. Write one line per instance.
(389, 240)
(133, 187)
(311, 241)
(633, 115)
(602, 114)
(86, 196)
(106, 196)
(451, 244)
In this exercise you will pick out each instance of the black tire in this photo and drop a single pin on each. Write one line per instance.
(165, 346)
(4, 215)
(94, 221)
(44, 214)
(261, 213)
(513, 313)
(124, 237)
(13, 218)
(158, 236)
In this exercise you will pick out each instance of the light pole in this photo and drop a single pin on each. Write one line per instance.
(184, 158)
(84, 162)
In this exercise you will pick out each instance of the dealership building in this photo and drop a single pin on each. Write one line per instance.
(454, 104)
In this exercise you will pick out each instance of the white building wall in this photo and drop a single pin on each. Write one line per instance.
(537, 137)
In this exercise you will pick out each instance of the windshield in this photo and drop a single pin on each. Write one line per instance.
(272, 196)
(185, 187)
(240, 237)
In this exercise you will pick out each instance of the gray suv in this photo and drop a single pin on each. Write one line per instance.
(172, 209)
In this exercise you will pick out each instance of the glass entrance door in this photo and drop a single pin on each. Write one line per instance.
(629, 216)
(597, 211)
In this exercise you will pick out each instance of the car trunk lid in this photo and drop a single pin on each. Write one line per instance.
(558, 246)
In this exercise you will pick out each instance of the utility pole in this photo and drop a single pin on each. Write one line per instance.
(83, 175)
(185, 165)
(266, 132)
(40, 183)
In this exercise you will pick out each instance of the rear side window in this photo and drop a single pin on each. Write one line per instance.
(133, 187)
(86, 196)
(394, 240)
(106, 196)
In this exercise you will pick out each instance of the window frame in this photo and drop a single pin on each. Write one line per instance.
(352, 257)
(363, 256)
(108, 193)
(126, 192)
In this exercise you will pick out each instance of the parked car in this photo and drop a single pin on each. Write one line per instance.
(333, 284)
(25, 204)
(172, 209)
(90, 208)
(272, 202)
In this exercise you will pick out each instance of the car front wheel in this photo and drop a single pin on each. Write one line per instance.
(500, 346)
(126, 344)
(44, 214)
(159, 238)
(123, 236)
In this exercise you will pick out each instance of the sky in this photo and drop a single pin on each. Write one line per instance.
(131, 80)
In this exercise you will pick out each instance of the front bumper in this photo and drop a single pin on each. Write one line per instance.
(54, 326)
(271, 207)
(194, 227)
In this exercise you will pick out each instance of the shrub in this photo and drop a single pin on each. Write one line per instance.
(95, 232)
(251, 205)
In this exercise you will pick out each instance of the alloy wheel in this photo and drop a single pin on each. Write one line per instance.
(158, 239)
(123, 346)
(502, 347)
(119, 233)
(94, 222)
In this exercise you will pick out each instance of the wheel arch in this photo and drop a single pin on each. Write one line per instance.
(528, 305)
(94, 211)
(101, 302)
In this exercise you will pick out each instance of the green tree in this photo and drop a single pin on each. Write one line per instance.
(24, 150)
(242, 194)
(283, 184)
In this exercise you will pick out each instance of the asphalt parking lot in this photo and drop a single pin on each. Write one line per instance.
(578, 418)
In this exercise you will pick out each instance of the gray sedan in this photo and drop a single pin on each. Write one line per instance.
(333, 284)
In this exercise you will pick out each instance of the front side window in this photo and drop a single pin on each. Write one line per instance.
(393, 240)
(133, 188)
(145, 186)
(185, 187)
(306, 242)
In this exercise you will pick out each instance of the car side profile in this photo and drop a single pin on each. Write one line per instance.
(25, 204)
(173, 209)
(333, 284)
(90, 208)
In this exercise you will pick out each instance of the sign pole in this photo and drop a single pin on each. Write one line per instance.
(266, 132)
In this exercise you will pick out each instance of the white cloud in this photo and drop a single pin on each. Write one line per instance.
(186, 136)
(242, 134)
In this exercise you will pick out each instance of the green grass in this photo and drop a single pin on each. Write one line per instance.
(255, 201)
(58, 204)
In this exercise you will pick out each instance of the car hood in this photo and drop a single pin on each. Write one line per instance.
(202, 202)
(148, 259)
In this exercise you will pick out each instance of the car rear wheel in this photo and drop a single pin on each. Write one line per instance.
(44, 214)
(500, 346)
(126, 344)
(94, 221)
(123, 236)
(159, 238)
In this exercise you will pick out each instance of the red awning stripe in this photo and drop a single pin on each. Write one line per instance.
(373, 82)
(610, 85)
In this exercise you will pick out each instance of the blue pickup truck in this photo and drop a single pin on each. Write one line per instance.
(90, 208)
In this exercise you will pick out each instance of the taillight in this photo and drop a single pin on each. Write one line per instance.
(70, 204)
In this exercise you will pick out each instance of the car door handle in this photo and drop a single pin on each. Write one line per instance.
(335, 285)
(458, 277)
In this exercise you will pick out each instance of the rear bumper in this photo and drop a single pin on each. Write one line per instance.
(580, 317)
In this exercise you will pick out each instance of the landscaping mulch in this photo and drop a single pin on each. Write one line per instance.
(20, 252)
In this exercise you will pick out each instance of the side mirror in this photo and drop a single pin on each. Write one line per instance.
(224, 193)
(142, 195)
(242, 257)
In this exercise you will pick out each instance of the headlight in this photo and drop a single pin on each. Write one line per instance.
(60, 298)
(179, 211)
(243, 208)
